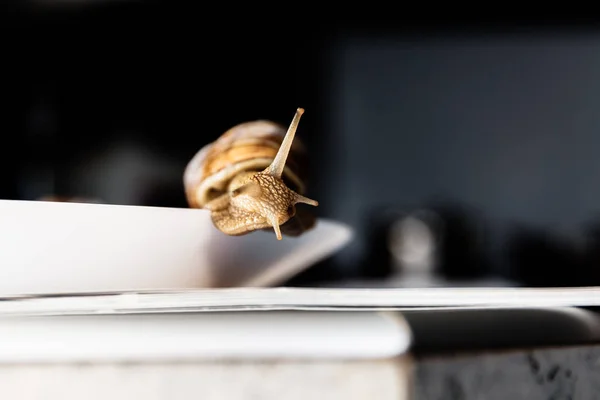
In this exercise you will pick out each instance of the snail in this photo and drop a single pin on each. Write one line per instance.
(251, 178)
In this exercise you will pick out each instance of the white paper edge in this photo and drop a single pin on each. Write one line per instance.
(222, 336)
(249, 299)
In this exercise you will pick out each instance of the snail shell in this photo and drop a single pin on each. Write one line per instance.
(251, 178)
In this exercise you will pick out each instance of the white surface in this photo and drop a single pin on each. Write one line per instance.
(282, 298)
(52, 247)
(160, 337)
(278, 380)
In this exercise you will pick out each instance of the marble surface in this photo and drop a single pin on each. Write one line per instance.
(285, 379)
(542, 374)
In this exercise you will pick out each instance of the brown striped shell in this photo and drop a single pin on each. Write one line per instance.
(249, 146)
(251, 178)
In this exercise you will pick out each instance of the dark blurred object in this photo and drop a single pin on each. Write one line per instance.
(163, 193)
(414, 242)
(445, 239)
(58, 3)
(70, 199)
(463, 252)
(540, 258)
(591, 257)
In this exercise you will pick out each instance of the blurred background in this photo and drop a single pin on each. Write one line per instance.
(464, 149)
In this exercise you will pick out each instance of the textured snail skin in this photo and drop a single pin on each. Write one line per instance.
(252, 200)
(259, 204)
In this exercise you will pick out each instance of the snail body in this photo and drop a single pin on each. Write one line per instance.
(251, 178)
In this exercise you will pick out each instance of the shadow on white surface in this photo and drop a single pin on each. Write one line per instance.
(51, 247)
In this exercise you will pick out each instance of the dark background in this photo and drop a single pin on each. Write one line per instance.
(493, 124)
